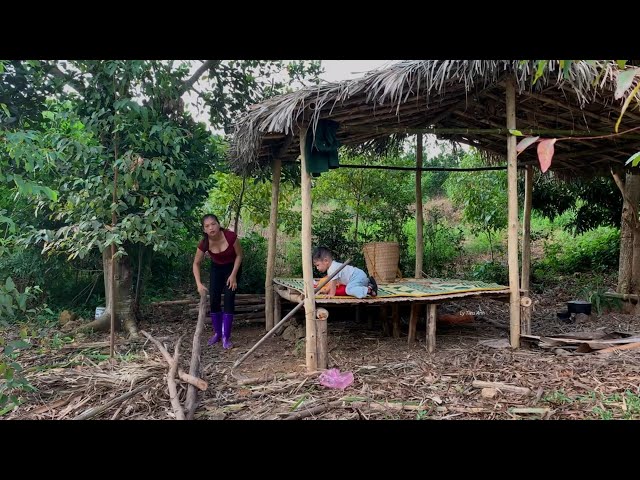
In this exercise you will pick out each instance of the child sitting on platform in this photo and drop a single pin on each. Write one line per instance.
(358, 284)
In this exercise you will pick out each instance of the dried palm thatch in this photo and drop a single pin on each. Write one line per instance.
(462, 100)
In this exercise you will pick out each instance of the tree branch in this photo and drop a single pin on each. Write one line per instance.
(625, 196)
(53, 70)
(188, 84)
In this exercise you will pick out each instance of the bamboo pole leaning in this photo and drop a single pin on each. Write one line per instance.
(287, 317)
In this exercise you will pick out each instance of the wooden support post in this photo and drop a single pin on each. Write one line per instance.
(431, 327)
(512, 189)
(322, 315)
(307, 264)
(395, 316)
(358, 313)
(419, 214)
(413, 321)
(271, 252)
(384, 321)
(277, 311)
(525, 312)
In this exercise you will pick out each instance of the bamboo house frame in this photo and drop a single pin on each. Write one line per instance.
(475, 102)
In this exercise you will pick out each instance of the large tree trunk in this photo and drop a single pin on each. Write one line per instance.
(125, 317)
(628, 279)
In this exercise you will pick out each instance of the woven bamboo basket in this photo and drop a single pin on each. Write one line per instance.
(382, 260)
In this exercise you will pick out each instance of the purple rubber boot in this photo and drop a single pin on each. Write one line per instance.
(216, 324)
(227, 320)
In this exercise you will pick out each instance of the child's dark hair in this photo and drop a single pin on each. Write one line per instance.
(322, 252)
(208, 215)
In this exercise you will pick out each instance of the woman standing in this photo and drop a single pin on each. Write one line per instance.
(222, 246)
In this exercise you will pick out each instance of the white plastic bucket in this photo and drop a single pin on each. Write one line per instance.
(100, 311)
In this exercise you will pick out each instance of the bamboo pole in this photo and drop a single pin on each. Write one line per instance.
(112, 334)
(277, 309)
(273, 234)
(322, 314)
(512, 188)
(484, 131)
(431, 327)
(526, 250)
(307, 266)
(419, 213)
(287, 317)
(622, 296)
(422, 169)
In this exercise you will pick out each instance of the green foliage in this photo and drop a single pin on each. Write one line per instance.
(557, 397)
(592, 202)
(123, 118)
(255, 195)
(64, 283)
(442, 244)
(491, 272)
(330, 229)
(12, 383)
(292, 258)
(433, 181)
(422, 415)
(595, 294)
(482, 196)
(15, 304)
(254, 264)
(377, 200)
(594, 251)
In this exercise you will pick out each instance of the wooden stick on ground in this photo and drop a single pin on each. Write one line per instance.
(314, 410)
(171, 381)
(185, 377)
(628, 346)
(501, 386)
(92, 412)
(191, 403)
(276, 377)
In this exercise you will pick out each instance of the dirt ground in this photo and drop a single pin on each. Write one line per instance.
(392, 380)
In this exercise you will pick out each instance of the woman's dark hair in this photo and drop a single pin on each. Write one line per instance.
(208, 215)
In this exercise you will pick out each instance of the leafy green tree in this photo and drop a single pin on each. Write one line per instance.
(597, 201)
(482, 195)
(122, 125)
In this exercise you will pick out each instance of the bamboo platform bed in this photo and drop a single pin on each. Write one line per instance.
(417, 292)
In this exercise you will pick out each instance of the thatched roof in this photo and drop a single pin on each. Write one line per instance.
(450, 94)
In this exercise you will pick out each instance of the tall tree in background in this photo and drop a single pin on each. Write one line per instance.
(122, 120)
